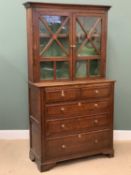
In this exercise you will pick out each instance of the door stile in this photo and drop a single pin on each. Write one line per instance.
(73, 44)
(36, 64)
(104, 44)
(70, 45)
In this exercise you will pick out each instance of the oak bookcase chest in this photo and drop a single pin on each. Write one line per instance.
(70, 100)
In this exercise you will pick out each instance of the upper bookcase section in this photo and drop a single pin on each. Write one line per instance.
(66, 41)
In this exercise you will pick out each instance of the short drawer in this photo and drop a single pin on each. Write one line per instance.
(80, 143)
(77, 108)
(61, 94)
(60, 127)
(96, 91)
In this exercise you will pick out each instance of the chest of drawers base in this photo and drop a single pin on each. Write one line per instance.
(69, 121)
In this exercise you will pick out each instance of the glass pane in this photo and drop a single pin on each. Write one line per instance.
(62, 70)
(43, 29)
(53, 51)
(46, 71)
(87, 50)
(81, 69)
(54, 22)
(94, 67)
(88, 33)
(54, 36)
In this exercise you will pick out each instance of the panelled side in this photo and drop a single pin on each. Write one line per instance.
(35, 123)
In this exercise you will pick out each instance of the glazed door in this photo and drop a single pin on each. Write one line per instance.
(70, 46)
(87, 41)
(55, 53)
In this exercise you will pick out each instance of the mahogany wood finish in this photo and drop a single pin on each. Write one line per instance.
(73, 118)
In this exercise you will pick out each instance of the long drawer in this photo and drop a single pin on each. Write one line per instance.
(77, 108)
(61, 127)
(80, 143)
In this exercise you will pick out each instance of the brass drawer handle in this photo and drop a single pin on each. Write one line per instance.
(62, 109)
(73, 46)
(79, 104)
(96, 141)
(96, 105)
(62, 93)
(79, 135)
(63, 146)
(97, 91)
(62, 126)
(96, 121)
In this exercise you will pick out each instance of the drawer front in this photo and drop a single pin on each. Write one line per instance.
(61, 94)
(95, 91)
(79, 143)
(77, 108)
(59, 127)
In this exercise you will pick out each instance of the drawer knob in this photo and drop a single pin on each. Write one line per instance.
(62, 93)
(62, 126)
(96, 105)
(73, 46)
(79, 135)
(97, 91)
(95, 121)
(96, 141)
(79, 104)
(62, 109)
(63, 146)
